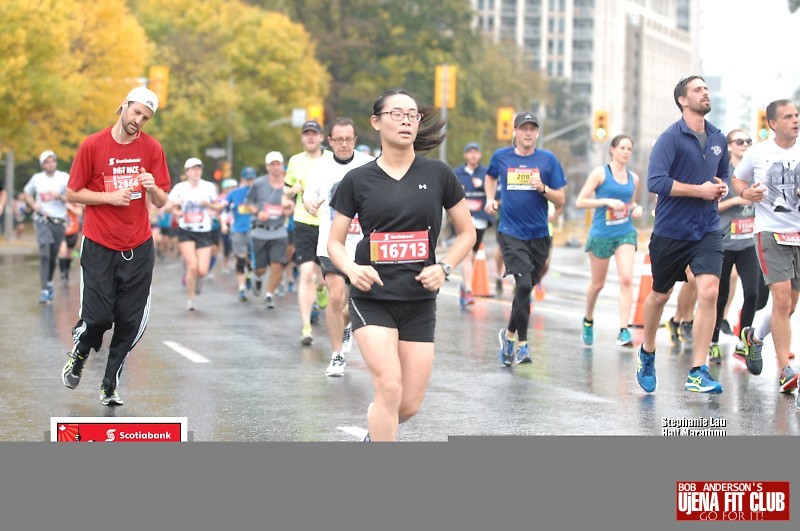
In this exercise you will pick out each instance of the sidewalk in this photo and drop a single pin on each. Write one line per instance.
(25, 246)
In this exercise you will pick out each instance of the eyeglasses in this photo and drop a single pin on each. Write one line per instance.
(742, 141)
(343, 140)
(398, 115)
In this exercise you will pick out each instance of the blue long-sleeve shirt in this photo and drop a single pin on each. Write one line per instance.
(677, 156)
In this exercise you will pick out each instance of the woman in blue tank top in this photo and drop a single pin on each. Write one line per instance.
(612, 233)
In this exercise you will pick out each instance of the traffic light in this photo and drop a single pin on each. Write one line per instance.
(600, 129)
(763, 125)
(158, 82)
(505, 123)
(316, 112)
(442, 85)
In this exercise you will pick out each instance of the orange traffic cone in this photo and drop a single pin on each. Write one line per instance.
(480, 275)
(645, 287)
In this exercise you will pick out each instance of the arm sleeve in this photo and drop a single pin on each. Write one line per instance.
(658, 179)
(555, 178)
(494, 169)
(744, 170)
(290, 179)
(344, 200)
(160, 170)
(453, 190)
(722, 169)
(29, 188)
(81, 172)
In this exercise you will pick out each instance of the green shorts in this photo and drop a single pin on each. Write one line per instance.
(606, 247)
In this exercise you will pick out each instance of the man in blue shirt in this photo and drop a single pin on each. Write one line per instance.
(688, 169)
(472, 175)
(529, 178)
(240, 228)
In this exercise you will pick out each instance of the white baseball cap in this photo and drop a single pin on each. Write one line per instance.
(142, 95)
(192, 162)
(45, 155)
(272, 156)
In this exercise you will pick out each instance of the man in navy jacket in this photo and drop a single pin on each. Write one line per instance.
(688, 170)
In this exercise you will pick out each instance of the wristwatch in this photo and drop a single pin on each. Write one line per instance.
(446, 269)
(544, 189)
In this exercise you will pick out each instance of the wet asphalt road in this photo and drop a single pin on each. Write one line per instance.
(258, 383)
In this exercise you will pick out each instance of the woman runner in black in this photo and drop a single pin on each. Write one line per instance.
(398, 200)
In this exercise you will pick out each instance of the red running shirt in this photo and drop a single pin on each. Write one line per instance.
(103, 165)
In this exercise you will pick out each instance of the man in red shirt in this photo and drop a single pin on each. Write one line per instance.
(116, 172)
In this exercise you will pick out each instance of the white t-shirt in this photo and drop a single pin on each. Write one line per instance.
(778, 170)
(195, 217)
(49, 192)
(324, 177)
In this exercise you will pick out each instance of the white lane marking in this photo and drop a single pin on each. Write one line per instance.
(188, 353)
(355, 431)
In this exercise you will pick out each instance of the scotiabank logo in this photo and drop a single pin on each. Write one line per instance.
(125, 429)
(732, 500)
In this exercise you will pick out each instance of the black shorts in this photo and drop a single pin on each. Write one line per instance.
(269, 252)
(329, 268)
(200, 239)
(414, 321)
(525, 256)
(72, 240)
(669, 258)
(305, 243)
(478, 239)
(215, 233)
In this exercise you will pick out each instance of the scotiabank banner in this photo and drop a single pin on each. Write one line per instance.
(118, 429)
(732, 500)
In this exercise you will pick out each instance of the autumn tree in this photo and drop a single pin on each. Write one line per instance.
(234, 69)
(371, 45)
(66, 66)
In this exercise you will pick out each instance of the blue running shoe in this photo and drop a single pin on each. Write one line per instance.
(506, 348)
(314, 314)
(646, 370)
(523, 355)
(624, 338)
(51, 291)
(699, 381)
(44, 297)
(587, 332)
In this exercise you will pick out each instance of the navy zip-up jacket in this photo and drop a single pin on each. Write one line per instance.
(677, 156)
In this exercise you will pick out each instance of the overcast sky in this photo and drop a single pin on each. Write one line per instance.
(754, 45)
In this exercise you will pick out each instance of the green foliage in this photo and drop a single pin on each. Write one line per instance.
(66, 66)
(370, 46)
(233, 68)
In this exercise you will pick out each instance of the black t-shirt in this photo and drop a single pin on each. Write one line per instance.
(385, 205)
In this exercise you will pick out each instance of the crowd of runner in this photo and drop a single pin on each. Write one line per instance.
(356, 236)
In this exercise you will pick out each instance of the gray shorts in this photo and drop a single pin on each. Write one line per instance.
(240, 243)
(778, 262)
(270, 252)
(49, 233)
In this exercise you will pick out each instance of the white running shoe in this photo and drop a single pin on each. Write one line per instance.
(347, 338)
(337, 365)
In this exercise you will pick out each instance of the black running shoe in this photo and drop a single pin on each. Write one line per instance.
(71, 374)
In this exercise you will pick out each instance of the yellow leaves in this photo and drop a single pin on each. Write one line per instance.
(66, 66)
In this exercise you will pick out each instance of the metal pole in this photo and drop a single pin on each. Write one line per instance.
(8, 224)
(443, 147)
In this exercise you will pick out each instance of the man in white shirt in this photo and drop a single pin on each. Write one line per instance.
(769, 176)
(323, 181)
(46, 193)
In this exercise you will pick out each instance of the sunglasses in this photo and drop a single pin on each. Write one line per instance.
(741, 142)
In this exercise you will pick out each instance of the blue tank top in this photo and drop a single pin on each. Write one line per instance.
(609, 223)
